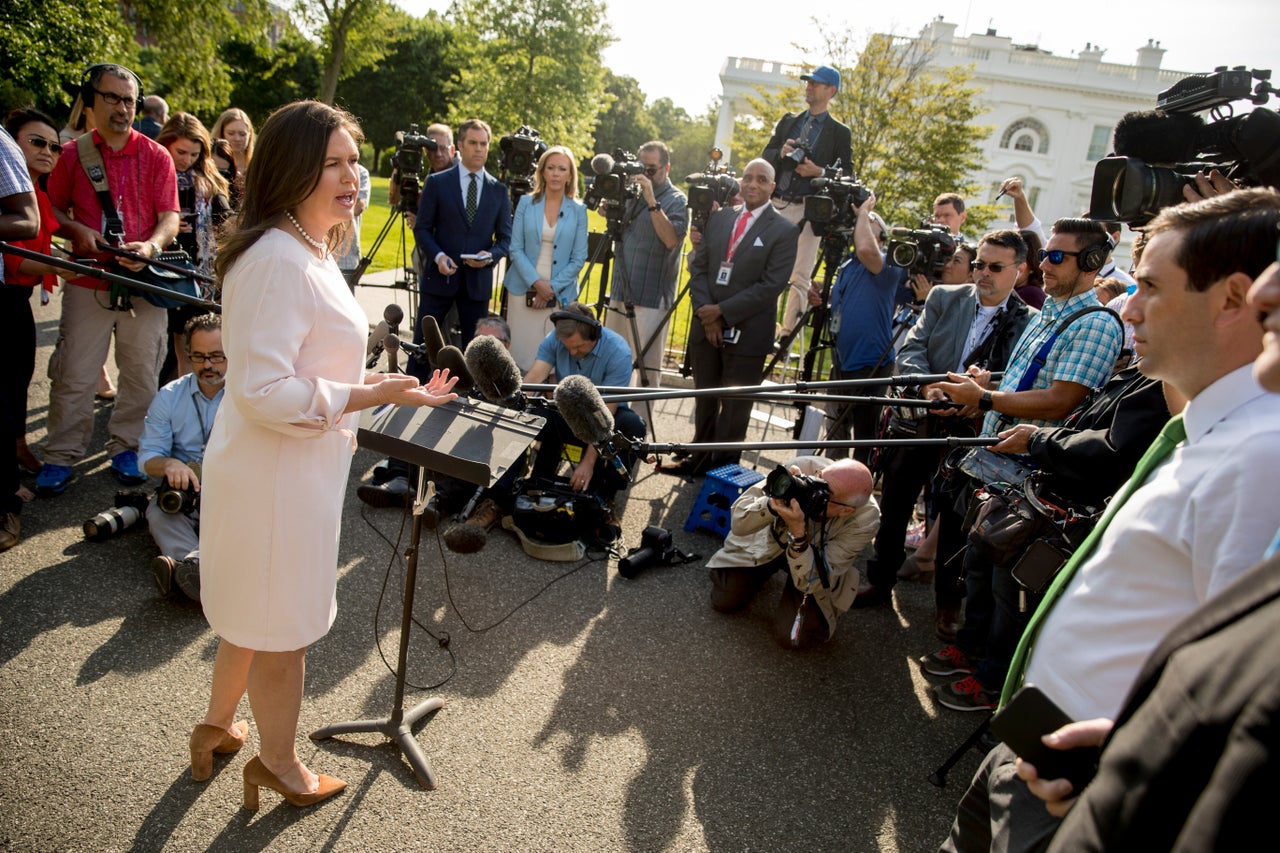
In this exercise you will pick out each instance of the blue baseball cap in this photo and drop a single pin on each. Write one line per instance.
(824, 74)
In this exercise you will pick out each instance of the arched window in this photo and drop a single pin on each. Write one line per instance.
(1026, 134)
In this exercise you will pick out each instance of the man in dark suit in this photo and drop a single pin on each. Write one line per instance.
(802, 145)
(463, 229)
(737, 272)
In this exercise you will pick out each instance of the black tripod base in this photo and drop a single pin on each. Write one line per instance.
(398, 728)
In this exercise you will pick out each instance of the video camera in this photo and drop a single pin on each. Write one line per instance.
(1158, 152)
(612, 185)
(519, 160)
(407, 161)
(831, 206)
(923, 251)
(811, 493)
(714, 186)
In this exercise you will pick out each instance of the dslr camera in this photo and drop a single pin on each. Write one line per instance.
(174, 501)
(709, 188)
(129, 508)
(656, 549)
(831, 206)
(811, 493)
(1158, 152)
(924, 251)
(519, 159)
(407, 161)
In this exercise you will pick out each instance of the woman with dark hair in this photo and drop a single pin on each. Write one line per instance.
(225, 162)
(278, 456)
(548, 249)
(1030, 284)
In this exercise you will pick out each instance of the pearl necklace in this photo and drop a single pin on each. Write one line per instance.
(320, 247)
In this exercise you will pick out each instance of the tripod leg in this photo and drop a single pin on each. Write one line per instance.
(938, 778)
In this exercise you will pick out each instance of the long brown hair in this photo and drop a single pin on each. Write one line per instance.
(236, 114)
(209, 180)
(285, 170)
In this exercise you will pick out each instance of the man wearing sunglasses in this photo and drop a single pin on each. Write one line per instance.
(179, 421)
(647, 264)
(143, 189)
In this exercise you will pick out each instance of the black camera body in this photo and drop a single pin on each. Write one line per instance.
(174, 501)
(832, 205)
(519, 158)
(923, 251)
(714, 186)
(407, 161)
(796, 157)
(811, 493)
(129, 507)
(1158, 152)
(656, 549)
(614, 187)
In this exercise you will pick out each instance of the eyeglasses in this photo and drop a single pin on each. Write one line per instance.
(42, 143)
(652, 170)
(996, 269)
(1055, 256)
(113, 99)
(211, 358)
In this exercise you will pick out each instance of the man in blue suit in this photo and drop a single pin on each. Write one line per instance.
(463, 229)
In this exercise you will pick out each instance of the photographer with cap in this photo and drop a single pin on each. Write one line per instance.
(803, 144)
(814, 533)
(174, 436)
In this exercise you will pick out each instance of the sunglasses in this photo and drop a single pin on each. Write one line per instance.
(42, 143)
(995, 268)
(652, 170)
(1055, 256)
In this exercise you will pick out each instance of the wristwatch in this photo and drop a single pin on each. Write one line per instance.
(653, 208)
(155, 247)
(984, 402)
(797, 543)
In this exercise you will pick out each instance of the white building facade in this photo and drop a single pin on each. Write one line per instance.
(1053, 116)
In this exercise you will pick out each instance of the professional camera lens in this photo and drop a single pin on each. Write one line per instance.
(108, 523)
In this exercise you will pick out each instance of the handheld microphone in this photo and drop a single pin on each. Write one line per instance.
(432, 339)
(452, 360)
(394, 315)
(496, 373)
(587, 417)
(392, 345)
(602, 164)
(377, 340)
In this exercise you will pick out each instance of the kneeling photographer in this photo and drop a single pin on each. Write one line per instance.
(811, 519)
(177, 428)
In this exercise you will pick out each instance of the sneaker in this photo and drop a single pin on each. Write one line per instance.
(186, 577)
(967, 694)
(162, 571)
(53, 480)
(125, 466)
(948, 661)
(10, 530)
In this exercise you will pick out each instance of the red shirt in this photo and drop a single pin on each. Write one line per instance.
(39, 243)
(142, 181)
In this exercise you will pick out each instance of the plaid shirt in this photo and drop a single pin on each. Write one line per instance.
(645, 270)
(14, 178)
(1084, 353)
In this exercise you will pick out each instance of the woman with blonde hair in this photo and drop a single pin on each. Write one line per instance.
(548, 249)
(234, 126)
(277, 459)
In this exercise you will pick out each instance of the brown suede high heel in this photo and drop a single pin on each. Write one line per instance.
(257, 775)
(206, 740)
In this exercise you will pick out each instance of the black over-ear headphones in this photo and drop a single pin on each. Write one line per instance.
(87, 80)
(591, 324)
(1092, 258)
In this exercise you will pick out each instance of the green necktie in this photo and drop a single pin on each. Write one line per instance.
(471, 200)
(1171, 436)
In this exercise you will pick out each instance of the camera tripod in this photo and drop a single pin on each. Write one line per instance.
(404, 257)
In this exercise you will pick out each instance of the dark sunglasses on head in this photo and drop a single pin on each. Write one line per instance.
(1055, 256)
(41, 142)
(995, 268)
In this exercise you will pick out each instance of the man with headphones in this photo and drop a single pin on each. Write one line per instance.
(1039, 388)
(118, 187)
(580, 346)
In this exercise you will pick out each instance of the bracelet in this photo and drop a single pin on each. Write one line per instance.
(985, 403)
(155, 247)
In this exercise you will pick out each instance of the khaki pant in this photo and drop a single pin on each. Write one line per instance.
(648, 322)
(807, 247)
(84, 337)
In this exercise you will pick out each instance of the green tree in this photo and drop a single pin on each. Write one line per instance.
(753, 129)
(690, 139)
(416, 83)
(534, 62)
(624, 121)
(351, 34)
(47, 44)
(263, 78)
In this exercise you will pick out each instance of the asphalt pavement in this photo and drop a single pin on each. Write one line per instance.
(583, 711)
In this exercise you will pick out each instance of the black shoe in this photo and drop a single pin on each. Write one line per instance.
(393, 493)
(162, 572)
(870, 595)
(186, 576)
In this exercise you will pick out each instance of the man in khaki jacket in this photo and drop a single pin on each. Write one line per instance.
(769, 535)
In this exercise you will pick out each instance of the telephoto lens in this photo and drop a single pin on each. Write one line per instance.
(108, 523)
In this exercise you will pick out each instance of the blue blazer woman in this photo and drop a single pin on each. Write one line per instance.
(567, 258)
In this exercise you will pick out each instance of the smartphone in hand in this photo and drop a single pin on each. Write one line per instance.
(1031, 714)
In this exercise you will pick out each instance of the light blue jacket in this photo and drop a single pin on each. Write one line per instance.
(567, 258)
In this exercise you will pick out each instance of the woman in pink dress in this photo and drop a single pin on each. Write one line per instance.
(277, 459)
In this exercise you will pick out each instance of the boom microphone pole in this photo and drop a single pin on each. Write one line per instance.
(114, 278)
(155, 262)
(671, 393)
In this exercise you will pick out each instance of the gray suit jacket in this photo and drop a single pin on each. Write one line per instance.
(935, 342)
(761, 266)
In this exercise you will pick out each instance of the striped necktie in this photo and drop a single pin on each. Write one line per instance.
(1171, 436)
(471, 199)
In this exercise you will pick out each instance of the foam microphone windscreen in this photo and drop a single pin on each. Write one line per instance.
(495, 372)
(432, 339)
(583, 410)
(465, 538)
(394, 315)
(376, 338)
(452, 360)
(1154, 136)
(602, 164)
